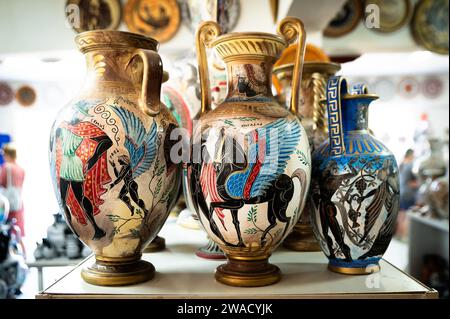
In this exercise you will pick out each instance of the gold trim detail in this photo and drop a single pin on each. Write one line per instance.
(108, 39)
(105, 274)
(244, 46)
(355, 271)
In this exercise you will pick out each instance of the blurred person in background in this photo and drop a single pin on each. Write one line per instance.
(11, 182)
(408, 181)
(409, 185)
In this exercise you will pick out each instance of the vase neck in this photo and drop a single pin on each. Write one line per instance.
(355, 115)
(249, 80)
(107, 72)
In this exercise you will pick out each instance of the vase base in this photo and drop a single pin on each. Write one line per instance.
(156, 245)
(209, 255)
(118, 273)
(355, 270)
(248, 273)
(210, 251)
(301, 242)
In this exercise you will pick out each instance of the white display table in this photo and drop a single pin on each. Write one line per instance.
(181, 274)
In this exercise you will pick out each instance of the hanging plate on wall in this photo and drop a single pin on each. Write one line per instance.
(159, 19)
(432, 87)
(394, 14)
(430, 25)
(346, 20)
(225, 12)
(86, 15)
(6, 94)
(26, 95)
(408, 87)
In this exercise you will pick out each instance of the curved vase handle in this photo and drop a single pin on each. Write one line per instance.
(336, 89)
(152, 78)
(293, 29)
(359, 88)
(206, 33)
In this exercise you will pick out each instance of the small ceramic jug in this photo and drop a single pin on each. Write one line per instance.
(110, 156)
(250, 167)
(355, 185)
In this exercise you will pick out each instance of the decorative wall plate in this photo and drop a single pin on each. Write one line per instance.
(94, 14)
(159, 19)
(225, 12)
(346, 20)
(430, 25)
(394, 14)
(26, 95)
(432, 87)
(6, 94)
(408, 87)
(385, 89)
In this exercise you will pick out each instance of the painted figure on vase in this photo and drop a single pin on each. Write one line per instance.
(81, 168)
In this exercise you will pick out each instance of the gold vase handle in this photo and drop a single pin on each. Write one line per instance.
(152, 78)
(292, 29)
(205, 35)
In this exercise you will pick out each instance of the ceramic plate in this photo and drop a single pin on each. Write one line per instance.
(394, 14)
(225, 12)
(432, 87)
(26, 95)
(385, 89)
(6, 94)
(86, 15)
(346, 20)
(430, 25)
(408, 87)
(159, 19)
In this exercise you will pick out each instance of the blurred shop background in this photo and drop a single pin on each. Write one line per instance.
(41, 69)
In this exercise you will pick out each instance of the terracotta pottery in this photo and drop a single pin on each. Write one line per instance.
(250, 163)
(110, 156)
(313, 116)
(355, 185)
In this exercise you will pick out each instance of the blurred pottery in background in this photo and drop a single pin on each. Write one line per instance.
(430, 25)
(159, 19)
(110, 156)
(88, 15)
(355, 185)
(312, 114)
(250, 185)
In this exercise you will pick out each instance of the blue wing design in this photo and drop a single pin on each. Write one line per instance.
(281, 139)
(140, 143)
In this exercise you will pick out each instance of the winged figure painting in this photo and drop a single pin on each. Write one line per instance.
(141, 146)
(235, 178)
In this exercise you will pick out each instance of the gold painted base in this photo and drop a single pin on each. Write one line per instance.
(118, 273)
(302, 239)
(156, 245)
(355, 271)
(248, 272)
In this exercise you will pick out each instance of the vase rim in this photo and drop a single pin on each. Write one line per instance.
(249, 45)
(249, 35)
(308, 66)
(369, 96)
(95, 39)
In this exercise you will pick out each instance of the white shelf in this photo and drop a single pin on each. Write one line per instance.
(181, 274)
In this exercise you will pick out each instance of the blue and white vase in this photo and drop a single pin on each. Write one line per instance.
(355, 185)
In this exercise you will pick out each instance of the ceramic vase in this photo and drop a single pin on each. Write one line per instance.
(250, 162)
(313, 116)
(355, 185)
(110, 156)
